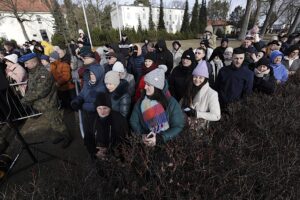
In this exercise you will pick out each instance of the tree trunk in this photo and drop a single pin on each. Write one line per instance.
(258, 7)
(246, 20)
(266, 22)
(23, 29)
(295, 22)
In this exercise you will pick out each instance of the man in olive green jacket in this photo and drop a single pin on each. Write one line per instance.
(42, 95)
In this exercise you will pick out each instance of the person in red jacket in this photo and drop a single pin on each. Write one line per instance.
(149, 65)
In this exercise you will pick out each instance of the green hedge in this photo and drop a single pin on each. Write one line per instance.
(101, 37)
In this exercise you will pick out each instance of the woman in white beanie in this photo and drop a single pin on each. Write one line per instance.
(118, 89)
(228, 56)
(15, 72)
(119, 67)
(201, 103)
(156, 115)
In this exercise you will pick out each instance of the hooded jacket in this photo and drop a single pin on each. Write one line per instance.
(88, 94)
(212, 41)
(280, 72)
(135, 63)
(164, 56)
(120, 55)
(48, 48)
(61, 72)
(174, 115)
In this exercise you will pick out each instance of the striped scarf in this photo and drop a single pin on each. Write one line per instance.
(154, 115)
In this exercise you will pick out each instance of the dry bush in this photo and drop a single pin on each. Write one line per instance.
(253, 153)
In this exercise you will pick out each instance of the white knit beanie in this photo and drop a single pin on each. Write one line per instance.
(118, 67)
(156, 77)
(12, 58)
(112, 77)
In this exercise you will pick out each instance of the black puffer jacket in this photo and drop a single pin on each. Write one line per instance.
(164, 56)
(120, 99)
(179, 79)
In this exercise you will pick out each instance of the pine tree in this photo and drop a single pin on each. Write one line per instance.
(139, 25)
(195, 18)
(161, 22)
(185, 27)
(151, 23)
(202, 17)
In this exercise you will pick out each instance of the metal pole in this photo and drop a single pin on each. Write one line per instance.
(86, 23)
(118, 20)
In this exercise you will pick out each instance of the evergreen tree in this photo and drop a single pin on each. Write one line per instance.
(139, 25)
(185, 27)
(151, 23)
(161, 22)
(202, 17)
(144, 2)
(195, 18)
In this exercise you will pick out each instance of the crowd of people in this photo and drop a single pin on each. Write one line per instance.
(146, 90)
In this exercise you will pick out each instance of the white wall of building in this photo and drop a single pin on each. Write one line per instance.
(11, 29)
(129, 15)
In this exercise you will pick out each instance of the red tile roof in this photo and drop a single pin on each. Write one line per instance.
(24, 5)
(217, 22)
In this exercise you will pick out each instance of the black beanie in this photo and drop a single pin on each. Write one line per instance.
(238, 51)
(224, 40)
(150, 56)
(103, 99)
(263, 61)
(189, 54)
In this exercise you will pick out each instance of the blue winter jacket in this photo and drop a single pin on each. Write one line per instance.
(280, 72)
(234, 83)
(87, 95)
(134, 66)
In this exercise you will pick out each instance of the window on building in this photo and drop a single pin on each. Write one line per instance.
(39, 19)
(44, 34)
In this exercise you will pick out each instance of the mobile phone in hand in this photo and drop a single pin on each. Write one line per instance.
(187, 109)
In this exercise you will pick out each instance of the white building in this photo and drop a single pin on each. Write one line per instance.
(40, 24)
(129, 16)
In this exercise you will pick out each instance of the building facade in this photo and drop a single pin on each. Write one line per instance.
(39, 24)
(127, 16)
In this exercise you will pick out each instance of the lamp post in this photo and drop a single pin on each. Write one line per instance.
(118, 20)
(86, 23)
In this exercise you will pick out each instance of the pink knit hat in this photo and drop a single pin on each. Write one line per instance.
(201, 70)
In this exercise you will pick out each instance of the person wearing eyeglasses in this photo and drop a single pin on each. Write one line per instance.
(292, 61)
(111, 58)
